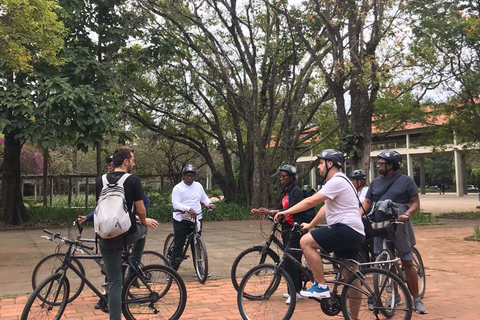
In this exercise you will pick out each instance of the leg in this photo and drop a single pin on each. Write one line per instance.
(310, 249)
(180, 229)
(139, 241)
(412, 277)
(112, 257)
(290, 267)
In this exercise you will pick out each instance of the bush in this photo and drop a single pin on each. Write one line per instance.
(224, 211)
(54, 216)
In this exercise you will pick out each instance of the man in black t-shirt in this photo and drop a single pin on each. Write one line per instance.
(111, 249)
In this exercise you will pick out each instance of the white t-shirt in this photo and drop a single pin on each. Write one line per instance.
(342, 203)
(186, 196)
(362, 193)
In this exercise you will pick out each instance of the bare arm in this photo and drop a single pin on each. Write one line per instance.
(303, 205)
(366, 205)
(316, 221)
(414, 205)
(142, 215)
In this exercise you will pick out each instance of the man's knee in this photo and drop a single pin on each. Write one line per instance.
(307, 241)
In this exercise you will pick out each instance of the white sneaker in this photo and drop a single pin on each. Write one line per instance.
(297, 295)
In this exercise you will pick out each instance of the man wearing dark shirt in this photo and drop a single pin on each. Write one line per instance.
(111, 249)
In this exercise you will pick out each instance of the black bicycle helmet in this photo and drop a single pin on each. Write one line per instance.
(332, 155)
(357, 175)
(109, 159)
(392, 157)
(189, 168)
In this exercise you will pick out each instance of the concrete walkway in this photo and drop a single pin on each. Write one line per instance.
(452, 266)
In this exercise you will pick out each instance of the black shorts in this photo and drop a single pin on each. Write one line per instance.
(340, 239)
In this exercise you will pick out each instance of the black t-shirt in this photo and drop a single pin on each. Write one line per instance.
(133, 192)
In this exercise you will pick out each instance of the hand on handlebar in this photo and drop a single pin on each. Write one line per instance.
(81, 219)
(211, 206)
(305, 227)
(260, 211)
(279, 217)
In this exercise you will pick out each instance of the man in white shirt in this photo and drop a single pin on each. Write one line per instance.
(186, 198)
(344, 231)
(359, 181)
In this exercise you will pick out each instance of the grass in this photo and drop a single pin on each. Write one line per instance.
(476, 234)
(424, 218)
(466, 215)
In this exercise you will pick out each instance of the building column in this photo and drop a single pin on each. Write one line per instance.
(373, 167)
(422, 175)
(463, 163)
(459, 176)
(313, 178)
(409, 158)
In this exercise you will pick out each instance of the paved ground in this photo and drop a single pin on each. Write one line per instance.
(452, 264)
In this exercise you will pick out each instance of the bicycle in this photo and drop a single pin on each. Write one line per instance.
(154, 291)
(199, 250)
(370, 293)
(383, 259)
(51, 263)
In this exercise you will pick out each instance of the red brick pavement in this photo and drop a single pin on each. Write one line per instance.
(453, 286)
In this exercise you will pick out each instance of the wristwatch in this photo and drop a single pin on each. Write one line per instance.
(407, 214)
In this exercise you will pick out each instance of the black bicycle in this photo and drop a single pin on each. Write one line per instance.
(368, 293)
(199, 250)
(51, 264)
(153, 291)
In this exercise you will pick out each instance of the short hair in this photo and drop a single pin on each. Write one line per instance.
(120, 155)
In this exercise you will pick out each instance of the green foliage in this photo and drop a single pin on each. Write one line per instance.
(54, 216)
(476, 234)
(424, 218)
(29, 32)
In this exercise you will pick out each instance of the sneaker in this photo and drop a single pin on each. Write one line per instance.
(419, 307)
(201, 274)
(316, 291)
(97, 305)
(297, 295)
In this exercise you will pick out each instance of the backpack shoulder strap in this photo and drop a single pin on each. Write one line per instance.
(355, 192)
(121, 181)
(104, 180)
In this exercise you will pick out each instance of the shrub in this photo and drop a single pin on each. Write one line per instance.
(54, 216)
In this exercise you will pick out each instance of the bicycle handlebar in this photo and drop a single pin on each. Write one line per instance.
(56, 235)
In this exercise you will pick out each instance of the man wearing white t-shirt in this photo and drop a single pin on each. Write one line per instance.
(186, 198)
(344, 231)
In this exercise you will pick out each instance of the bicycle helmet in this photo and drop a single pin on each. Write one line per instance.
(291, 170)
(109, 159)
(391, 157)
(332, 155)
(357, 175)
(189, 168)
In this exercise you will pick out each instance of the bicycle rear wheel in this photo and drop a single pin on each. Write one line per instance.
(422, 280)
(200, 259)
(160, 294)
(249, 258)
(168, 246)
(379, 295)
(48, 300)
(50, 265)
(152, 257)
(266, 284)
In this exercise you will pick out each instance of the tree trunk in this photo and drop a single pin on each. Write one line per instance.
(14, 212)
(45, 176)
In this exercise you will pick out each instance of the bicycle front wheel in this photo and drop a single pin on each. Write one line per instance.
(379, 294)
(200, 259)
(157, 293)
(168, 246)
(152, 257)
(418, 264)
(266, 284)
(48, 300)
(50, 265)
(249, 258)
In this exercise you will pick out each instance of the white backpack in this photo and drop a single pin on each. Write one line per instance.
(112, 217)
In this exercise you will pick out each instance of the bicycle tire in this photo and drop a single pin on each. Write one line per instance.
(249, 258)
(266, 284)
(200, 259)
(167, 301)
(168, 246)
(38, 307)
(152, 257)
(50, 265)
(370, 298)
(418, 264)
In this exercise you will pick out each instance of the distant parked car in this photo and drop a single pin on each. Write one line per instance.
(471, 188)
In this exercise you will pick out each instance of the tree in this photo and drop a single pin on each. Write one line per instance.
(29, 33)
(446, 43)
(233, 79)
